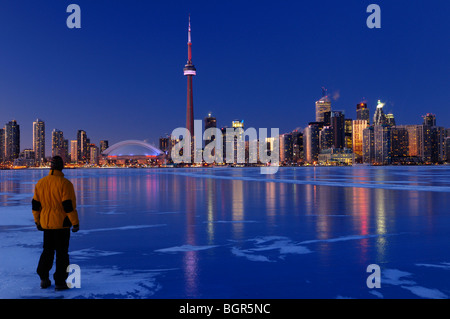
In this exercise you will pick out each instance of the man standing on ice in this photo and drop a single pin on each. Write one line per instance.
(54, 211)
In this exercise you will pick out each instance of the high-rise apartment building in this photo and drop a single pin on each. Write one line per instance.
(74, 151)
(39, 140)
(311, 143)
(286, 148)
(58, 143)
(11, 141)
(82, 147)
(164, 144)
(415, 139)
(297, 146)
(104, 144)
(94, 154)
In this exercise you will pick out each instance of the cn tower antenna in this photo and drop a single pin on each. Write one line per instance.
(189, 42)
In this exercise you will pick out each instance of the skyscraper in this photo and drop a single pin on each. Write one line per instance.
(447, 149)
(210, 122)
(164, 144)
(358, 127)
(382, 144)
(399, 143)
(103, 146)
(2, 145)
(286, 148)
(82, 146)
(322, 106)
(390, 119)
(297, 146)
(311, 142)
(338, 126)
(326, 139)
(58, 143)
(429, 119)
(12, 141)
(74, 151)
(348, 134)
(362, 112)
(39, 140)
(190, 71)
(66, 150)
(368, 145)
(379, 118)
(238, 127)
(415, 139)
(93, 154)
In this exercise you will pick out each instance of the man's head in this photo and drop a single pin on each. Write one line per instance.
(57, 163)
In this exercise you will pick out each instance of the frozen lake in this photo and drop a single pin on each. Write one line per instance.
(234, 233)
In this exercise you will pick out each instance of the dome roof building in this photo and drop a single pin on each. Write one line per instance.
(132, 151)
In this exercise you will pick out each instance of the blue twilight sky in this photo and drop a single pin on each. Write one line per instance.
(121, 75)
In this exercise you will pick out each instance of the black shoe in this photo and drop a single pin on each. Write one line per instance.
(45, 283)
(61, 287)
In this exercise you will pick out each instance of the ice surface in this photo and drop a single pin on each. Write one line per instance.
(183, 248)
(424, 292)
(234, 233)
(395, 277)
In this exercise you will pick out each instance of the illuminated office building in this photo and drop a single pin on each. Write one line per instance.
(357, 135)
(362, 112)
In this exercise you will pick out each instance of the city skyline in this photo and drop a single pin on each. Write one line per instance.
(286, 101)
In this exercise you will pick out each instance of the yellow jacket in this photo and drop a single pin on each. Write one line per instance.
(54, 202)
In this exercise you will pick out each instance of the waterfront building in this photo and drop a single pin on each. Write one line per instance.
(11, 141)
(338, 127)
(399, 144)
(311, 142)
(39, 140)
(368, 145)
(58, 143)
(362, 112)
(382, 144)
(357, 135)
(82, 146)
(379, 118)
(323, 105)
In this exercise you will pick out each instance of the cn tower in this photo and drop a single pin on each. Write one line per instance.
(190, 71)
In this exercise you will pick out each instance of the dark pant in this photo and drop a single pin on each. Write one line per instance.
(55, 240)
